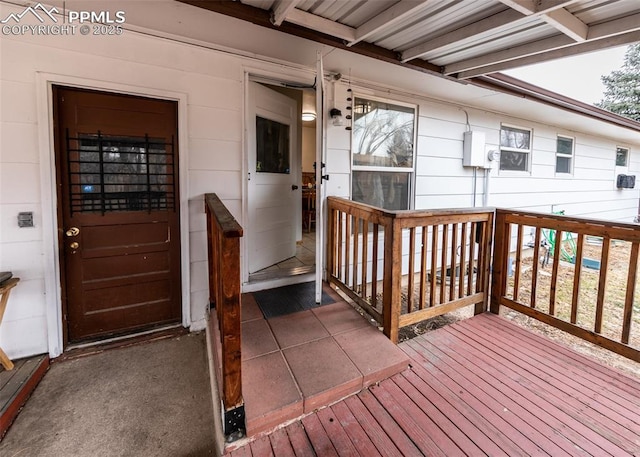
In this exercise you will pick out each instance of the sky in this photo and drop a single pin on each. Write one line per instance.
(576, 77)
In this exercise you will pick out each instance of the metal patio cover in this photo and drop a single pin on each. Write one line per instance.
(459, 38)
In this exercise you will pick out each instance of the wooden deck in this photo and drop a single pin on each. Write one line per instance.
(482, 386)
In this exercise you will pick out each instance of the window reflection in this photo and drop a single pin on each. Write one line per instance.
(382, 134)
(272, 146)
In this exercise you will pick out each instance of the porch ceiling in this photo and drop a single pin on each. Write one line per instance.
(459, 38)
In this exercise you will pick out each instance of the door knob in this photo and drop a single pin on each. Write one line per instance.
(294, 187)
(74, 245)
(73, 231)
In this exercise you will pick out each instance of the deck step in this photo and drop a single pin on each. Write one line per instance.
(295, 364)
(17, 385)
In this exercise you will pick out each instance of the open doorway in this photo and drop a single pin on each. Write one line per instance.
(281, 130)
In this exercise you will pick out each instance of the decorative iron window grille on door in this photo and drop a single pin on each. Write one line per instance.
(120, 173)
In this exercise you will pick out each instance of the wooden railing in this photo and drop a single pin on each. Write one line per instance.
(403, 267)
(223, 236)
(575, 274)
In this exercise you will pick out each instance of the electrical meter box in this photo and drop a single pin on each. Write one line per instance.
(473, 154)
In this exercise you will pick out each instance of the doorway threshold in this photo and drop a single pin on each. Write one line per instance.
(270, 280)
(93, 347)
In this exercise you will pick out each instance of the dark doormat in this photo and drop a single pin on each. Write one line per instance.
(289, 299)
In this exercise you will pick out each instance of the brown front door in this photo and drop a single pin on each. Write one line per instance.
(117, 176)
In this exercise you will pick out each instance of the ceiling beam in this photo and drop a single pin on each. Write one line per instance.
(281, 10)
(567, 23)
(320, 24)
(567, 51)
(529, 7)
(482, 26)
(525, 7)
(388, 18)
(554, 15)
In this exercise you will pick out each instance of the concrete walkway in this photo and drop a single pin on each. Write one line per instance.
(148, 400)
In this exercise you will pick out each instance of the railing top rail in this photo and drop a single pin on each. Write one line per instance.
(339, 201)
(229, 227)
(411, 213)
(571, 223)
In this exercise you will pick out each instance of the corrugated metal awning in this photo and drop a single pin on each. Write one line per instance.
(459, 38)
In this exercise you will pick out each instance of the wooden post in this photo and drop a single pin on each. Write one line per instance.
(485, 255)
(500, 258)
(630, 294)
(223, 236)
(392, 300)
(230, 322)
(211, 256)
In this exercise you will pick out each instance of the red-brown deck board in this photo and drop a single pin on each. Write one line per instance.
(482, 386)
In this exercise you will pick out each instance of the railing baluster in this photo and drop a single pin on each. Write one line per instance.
(365, 257)
(412, 253)
(340, 229)
(356, 234)
(576, 279)
(484, 258)
(534, 271)
(516, 278)
(554, 272)
(423, 268)
(472, 252)
(347, 249)
(631, 292)
(374, 267)
(434, 264)
(331, 241)
(443, 266)
(463, 254)
(452, 272)
(602, 283)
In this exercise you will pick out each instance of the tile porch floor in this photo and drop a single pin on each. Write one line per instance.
(294, 364)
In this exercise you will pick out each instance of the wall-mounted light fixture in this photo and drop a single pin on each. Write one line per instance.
(308, 117)
(336, 116)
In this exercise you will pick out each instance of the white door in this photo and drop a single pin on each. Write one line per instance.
(273, 196)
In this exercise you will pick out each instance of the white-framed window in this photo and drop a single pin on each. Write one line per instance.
(622, 156)
(564, 154)
(383, 152)
(515, 148)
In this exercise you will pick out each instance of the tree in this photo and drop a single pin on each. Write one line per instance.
(622, 95)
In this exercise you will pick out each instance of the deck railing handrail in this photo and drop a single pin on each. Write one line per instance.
(355, 249)
(509, 222)
(223, 241)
